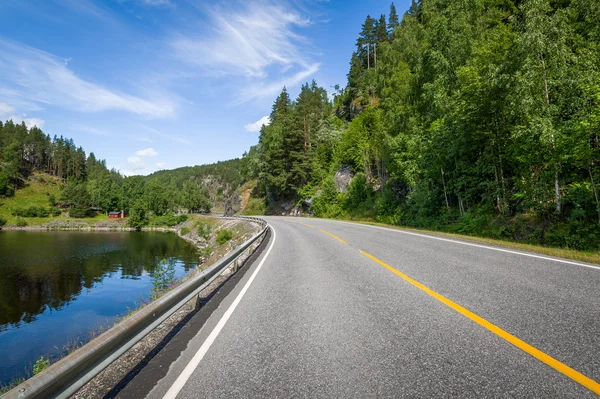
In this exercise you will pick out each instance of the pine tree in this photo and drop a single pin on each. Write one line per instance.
(393, 19)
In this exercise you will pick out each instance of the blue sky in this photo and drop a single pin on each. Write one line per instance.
(159, 84)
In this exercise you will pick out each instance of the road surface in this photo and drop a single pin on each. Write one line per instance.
(335, 309)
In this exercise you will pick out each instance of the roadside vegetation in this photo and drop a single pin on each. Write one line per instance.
(477, 118)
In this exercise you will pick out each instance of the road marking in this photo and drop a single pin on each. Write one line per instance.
(334, 236)
(474, 245)
(538, 354)
(193, 364)
(304, 224)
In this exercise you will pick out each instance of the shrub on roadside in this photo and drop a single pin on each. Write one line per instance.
(204, 229)
(224, 235)
(40, 365)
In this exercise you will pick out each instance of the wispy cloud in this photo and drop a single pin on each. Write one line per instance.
(157, 2)
(167, 136)
(161, 164)
(89, 129)
(146, 152)
(256, 42)
(271, 88)
(43, 78)
(5, 109)
(256, 126)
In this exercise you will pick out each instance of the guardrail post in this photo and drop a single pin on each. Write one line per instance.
(197, 303)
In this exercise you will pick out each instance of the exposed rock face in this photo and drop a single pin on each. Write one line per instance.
(343, 177)
(232, 204)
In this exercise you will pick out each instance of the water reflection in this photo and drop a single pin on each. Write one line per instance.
(54, 284)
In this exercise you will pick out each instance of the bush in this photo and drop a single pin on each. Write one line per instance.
(360, 195)
(31, 212)
(2, 221)
(20, 222)
(255, 206)
(224, 236)
(204, 230)
(78, 212)
(55, 211)
(184, 230)
(168, 220)
(162, 277)
(40, 365)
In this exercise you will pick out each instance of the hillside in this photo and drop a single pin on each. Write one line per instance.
(36, 191)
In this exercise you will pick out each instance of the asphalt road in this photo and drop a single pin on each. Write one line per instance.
(334, 309)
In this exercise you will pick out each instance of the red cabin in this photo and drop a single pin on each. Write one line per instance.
(116, 215)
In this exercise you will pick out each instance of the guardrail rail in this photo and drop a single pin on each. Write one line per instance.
(65, 377)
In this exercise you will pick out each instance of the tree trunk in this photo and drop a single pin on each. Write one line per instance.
(595, 192)
(445, 193)
(552, 139)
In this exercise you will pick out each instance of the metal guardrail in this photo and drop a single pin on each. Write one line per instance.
(68, 375)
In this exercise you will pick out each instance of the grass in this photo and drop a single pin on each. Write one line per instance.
(572, 254)
(36, 192)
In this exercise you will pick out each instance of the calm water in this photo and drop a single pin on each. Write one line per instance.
(56, 287)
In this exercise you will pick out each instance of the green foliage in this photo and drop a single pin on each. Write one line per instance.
(78, 211)
(184, 230)
(168, 220)
(224, 235)
(20, 222)
(255, 206)
(477, 117)
(2, 221)
(204, 229)
(359, 198)
(163, 276)
(5, 189)
(54, 211)
(31, 212)
(195, 198)
(137, 216)
(40, 365)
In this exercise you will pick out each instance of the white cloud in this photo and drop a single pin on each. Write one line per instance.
(146, 152)
(270, 89)
(136, 162)
(29, 122)
(161, 134)
(256, 42)
(161, 164)
(40, 77)
(89, 129)
(5, 109)
(255, 127)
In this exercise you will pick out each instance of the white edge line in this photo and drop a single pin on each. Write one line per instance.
(472, 245)
(193, 364)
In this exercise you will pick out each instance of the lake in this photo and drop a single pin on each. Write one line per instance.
(56, 287)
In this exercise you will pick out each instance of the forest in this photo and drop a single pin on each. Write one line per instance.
(476, 117)
(88, 185)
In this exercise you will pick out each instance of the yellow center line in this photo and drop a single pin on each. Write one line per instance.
(538, 354)
(304, 224)
(334, 236)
